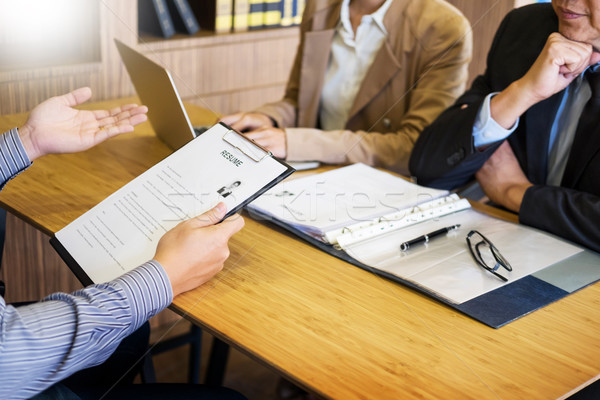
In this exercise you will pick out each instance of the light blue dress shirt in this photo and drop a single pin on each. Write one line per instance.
(45, 342)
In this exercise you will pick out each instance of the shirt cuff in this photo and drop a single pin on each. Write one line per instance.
(487, 131)
(149, 290)
(14, 157)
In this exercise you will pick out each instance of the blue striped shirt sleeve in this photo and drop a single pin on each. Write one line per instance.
(45, 342)
(13, 158)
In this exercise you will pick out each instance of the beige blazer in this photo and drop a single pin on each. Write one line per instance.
(419, 71)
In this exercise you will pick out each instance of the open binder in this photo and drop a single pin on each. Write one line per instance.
(393, 211)
(122, 231)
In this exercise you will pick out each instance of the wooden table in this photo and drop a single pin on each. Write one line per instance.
(334, 329)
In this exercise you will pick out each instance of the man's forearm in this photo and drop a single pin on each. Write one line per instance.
(507, 106)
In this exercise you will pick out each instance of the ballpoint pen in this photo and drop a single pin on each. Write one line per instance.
(427, 237)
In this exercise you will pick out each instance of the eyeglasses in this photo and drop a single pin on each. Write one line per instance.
(486, 254)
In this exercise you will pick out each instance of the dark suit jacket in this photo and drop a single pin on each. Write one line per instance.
(444, 155)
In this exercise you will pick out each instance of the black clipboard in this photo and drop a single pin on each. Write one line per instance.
(236, 140)
(255, 152)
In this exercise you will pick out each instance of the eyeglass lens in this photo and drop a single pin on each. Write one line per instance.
(486, 254)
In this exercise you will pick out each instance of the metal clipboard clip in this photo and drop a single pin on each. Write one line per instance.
(247, 146)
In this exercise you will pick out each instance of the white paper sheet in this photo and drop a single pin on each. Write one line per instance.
(122, 231)
(342, 197)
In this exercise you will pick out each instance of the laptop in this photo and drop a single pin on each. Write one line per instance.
(155, 88)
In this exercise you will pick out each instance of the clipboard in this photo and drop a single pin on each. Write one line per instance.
(257, 153)
(122, 231)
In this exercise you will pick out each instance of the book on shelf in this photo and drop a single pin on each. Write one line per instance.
(272, 13)
(291, 12)
(287, 12)
(241, 9)
(256, 14)
(213, 15)
(298, 11)
(154, 18)
(122, 231)
(183, 17)
(364, 216)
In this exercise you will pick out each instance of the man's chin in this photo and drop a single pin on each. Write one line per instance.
(576, 36)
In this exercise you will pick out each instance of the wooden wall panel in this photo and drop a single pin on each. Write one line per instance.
(485, 17)
(32, 269)
(26, 247)
(24, 94)
(244, 62)
(118, 20)
(239, 100)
